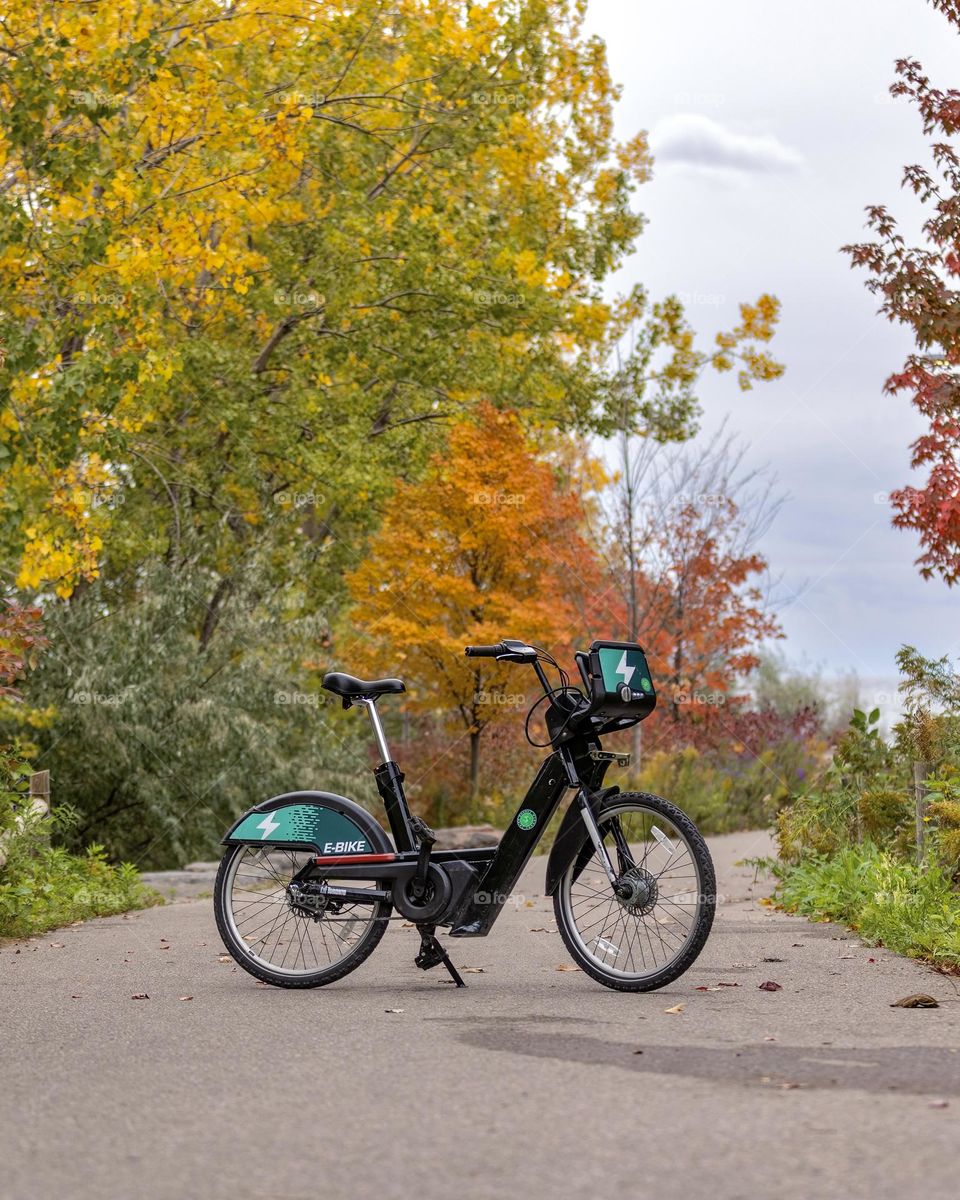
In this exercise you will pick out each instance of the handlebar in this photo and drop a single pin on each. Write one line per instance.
(484, 651)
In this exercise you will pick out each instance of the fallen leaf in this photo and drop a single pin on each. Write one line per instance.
(770, 986)
(529, 904)
(798, 943)
(871, 960)
(472, 970)
(566, 967)
(722, 983)
(223, 958)
(56, 945)
(406, 925)
(932, 1104)
(786, 1086)
(139, 996)
(701, 988)
(677, 1008)
(771, 960)
(184, 997)
(918, 1000)
(75, 997)
(638, 1051)
(542, 929)
(769, 1038)
(393, 1010)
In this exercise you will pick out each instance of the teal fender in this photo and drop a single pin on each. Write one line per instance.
(321, 821)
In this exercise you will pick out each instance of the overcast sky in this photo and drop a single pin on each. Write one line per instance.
(773, 127)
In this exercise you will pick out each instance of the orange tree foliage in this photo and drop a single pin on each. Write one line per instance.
(701, 612)
(20, 643)
(486, 546)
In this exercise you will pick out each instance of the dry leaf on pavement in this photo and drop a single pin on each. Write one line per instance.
(919, 1000)
(677, 1008)
(770, 986)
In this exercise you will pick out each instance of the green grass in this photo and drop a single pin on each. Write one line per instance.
(912, 910)
(45, 887)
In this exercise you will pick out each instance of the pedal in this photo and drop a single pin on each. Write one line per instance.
(614, 756)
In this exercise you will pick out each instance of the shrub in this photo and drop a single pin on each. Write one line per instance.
(160, 738)
(43, 886)
(912, 910)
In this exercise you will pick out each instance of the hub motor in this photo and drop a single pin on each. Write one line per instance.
(637, 891)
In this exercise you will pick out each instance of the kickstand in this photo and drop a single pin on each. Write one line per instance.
(432, 954)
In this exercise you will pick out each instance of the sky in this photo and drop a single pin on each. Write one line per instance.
(772, 128)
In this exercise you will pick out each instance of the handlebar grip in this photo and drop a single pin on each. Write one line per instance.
(484, 651)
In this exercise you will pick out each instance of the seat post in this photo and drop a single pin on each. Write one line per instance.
(371, 707)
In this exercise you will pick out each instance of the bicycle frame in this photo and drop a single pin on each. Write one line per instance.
(486, 875)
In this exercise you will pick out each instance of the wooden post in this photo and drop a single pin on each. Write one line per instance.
(38, 803)
(40, 793)
(920, 791)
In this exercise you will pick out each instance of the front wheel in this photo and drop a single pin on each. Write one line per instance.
(648, 931)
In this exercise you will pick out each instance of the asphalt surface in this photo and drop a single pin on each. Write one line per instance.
(532, 1082)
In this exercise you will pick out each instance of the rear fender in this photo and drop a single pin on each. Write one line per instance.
(320, 821)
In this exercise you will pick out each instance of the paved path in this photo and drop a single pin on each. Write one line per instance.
(531, 1083)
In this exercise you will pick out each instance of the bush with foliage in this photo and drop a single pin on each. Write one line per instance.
(163, 733)
(848, 843)
(43, 886)
(912, 910)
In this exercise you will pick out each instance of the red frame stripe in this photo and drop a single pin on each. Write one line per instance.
(340, 860)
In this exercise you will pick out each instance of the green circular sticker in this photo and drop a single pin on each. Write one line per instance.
(526, 818)
(645, 684)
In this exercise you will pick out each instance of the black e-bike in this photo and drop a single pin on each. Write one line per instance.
(309, 880)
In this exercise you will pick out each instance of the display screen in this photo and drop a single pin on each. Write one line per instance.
(620, 666)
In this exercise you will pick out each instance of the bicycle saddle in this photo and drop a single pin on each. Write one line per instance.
(349, 686)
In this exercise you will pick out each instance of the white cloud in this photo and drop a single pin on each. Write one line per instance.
(693, 139)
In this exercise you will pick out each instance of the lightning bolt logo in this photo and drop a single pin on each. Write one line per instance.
(624, 670)
(268, 825)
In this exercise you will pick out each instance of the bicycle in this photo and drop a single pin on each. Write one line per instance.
(309, 880)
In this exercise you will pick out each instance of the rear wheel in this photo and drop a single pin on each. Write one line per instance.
(649, 931)
(283, 932)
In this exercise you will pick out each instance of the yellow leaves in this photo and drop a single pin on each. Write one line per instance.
(634, 157)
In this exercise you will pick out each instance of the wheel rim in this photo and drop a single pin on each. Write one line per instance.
(644, 933)
(271, 932)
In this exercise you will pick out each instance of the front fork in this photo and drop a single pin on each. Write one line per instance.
(589, 819)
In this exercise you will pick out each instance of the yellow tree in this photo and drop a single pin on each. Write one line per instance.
(250, 256)
(487, 545)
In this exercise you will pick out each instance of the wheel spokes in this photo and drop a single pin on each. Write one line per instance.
(290, 931)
